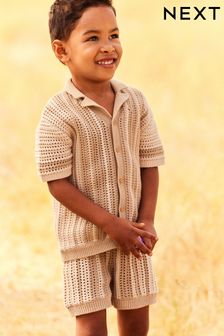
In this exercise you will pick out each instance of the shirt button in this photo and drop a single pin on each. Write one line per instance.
(121, 209)
(118, 149)
(121, 179)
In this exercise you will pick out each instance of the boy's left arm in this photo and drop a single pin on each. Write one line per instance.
(147, 207)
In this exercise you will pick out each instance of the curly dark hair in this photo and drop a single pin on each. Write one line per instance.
(64, 14)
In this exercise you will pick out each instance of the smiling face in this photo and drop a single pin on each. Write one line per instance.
(93, 50)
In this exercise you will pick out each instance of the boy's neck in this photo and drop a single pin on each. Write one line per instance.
(94, 89)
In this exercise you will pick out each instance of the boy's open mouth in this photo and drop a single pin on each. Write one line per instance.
(107, 62)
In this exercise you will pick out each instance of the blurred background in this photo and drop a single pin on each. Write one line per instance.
(179, 67)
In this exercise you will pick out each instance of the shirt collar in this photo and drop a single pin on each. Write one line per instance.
(76, 93)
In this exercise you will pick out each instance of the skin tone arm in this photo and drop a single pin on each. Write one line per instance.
(121, 230)
(147, 207)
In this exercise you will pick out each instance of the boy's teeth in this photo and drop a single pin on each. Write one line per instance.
(105, 62)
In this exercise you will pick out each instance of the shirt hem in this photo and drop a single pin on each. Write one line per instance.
(88, 249)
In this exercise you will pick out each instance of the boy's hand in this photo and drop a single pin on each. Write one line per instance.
(128, 236)
(150, 242)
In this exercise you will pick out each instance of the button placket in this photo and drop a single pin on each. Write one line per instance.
(119, 101)
(120, 166)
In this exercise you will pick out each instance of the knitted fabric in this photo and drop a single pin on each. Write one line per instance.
(110, 278)
(102, 154)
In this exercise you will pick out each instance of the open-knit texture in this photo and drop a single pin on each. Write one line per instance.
(101, 154)
(110, 278)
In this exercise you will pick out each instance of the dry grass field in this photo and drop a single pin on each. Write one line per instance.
(179, 66)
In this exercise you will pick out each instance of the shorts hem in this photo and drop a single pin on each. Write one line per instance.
(135, 303)
(90, 307)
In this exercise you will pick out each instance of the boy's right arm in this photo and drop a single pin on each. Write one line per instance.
(127, 236)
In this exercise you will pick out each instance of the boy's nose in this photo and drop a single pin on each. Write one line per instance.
(107, 48)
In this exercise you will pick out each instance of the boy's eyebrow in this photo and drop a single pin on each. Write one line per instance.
(98, 31)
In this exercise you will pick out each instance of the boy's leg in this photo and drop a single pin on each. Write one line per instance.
(87, 293)
(133, 322)
(134, 290)
(93, 324)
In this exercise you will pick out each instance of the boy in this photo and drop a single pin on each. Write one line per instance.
(98, 148)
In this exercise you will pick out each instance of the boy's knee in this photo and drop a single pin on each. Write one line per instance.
(135, 329)
(92, 333)
(91, 330)
(91, 325)
(133, 326)
(134, 322)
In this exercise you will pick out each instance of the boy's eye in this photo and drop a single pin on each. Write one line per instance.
(96, 38)
(114, 36)
(93, 38)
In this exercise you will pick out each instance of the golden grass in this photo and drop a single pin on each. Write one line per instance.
(179, 66)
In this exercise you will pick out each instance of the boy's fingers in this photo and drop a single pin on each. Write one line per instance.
(156, 238)
(146, 234)
(150, 242)
(138, 250)
(136, 253)
(145, 249)
(138, 225)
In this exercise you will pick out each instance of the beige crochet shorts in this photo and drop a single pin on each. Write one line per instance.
(109, 278)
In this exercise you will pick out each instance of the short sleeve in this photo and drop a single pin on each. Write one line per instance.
(53, 150)
(151, 151)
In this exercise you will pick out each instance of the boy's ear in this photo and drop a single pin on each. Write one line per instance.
(59, 49)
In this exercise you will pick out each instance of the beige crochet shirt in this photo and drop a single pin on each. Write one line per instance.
(102, 154)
